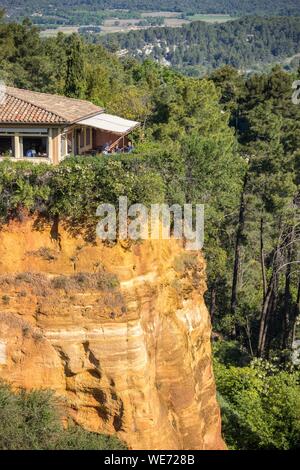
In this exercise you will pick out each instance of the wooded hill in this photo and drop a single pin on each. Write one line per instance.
(245, 43)
(231, 7)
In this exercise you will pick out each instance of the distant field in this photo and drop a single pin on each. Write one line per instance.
(60, 29)
(165, 14)
(123, 26)
(211, 18)
(119, 26)
(113, 24)
(175, 22)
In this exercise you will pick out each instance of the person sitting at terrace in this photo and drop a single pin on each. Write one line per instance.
(129, 147)
(31, 153)
(105, 150)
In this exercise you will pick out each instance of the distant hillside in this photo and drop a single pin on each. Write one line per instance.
(245, 43)
(232, 7)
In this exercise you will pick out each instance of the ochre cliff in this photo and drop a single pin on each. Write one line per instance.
(131, 355)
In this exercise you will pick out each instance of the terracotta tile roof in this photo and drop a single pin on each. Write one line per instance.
(30, 107)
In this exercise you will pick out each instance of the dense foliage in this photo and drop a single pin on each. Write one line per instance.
(246, 43)
(73, 191)
(33, 421)
(260, 402)
(265, 284)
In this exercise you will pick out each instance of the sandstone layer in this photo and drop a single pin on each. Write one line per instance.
(121, 332)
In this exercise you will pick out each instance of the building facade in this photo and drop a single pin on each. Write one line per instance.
(42, 127)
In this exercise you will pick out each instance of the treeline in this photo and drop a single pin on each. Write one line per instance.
(231, 7)
(263, 305)
(245, 43)
(75, 13)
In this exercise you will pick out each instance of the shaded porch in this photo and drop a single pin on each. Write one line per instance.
(103, 133)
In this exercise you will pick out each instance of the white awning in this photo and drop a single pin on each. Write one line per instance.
(110, 123)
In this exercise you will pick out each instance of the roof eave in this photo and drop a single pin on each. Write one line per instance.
(26, 123)
(87, 116)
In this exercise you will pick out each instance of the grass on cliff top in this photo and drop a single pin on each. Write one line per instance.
(32, 421)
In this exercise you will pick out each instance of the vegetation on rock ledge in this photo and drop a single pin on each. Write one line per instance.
(33, 421)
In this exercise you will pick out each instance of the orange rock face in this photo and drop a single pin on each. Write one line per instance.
(122, 332)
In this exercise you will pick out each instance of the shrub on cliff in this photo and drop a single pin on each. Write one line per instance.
(74, 189)
(32, 420)
(102, 281)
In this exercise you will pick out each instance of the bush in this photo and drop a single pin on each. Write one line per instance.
(5, 299)
(32, 421)
(260, 406)
(102, 281)
(186, 262)
(45, 253)
(74, 189)
(230, 353)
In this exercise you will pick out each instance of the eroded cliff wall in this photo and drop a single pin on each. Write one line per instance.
(121, 331)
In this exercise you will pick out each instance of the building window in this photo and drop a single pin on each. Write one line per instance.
(70, 142)
(82, 138)
(88, 137)
(6, 147)
(63, 145)
(36, 147)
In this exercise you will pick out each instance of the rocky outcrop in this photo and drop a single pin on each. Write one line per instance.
(122, 332)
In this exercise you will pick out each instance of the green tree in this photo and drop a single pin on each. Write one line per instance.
(75, 83)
